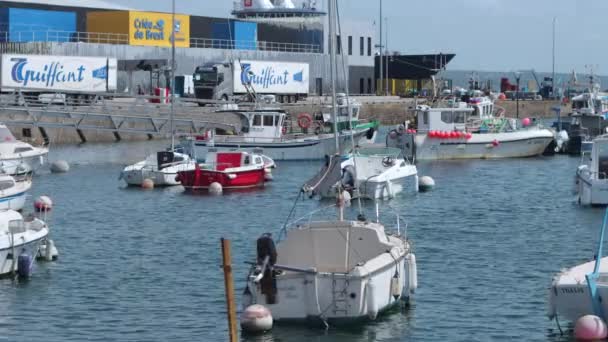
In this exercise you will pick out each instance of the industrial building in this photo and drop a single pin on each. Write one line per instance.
(409, 75)
(272, 30)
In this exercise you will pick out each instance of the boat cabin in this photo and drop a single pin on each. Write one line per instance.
(598, 158)
(221, 161)
(443, 119)
(342, 112)
(590, 104)
(483, 107)
(263, 123)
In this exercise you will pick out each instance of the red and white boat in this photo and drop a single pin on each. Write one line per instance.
(231, 169)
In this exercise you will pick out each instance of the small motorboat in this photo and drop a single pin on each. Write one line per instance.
(162, 168)
(13, 193)
(19, 241)
(579, 290)
(332, 270)
(16, 156)
(370, 172)
(231, 169)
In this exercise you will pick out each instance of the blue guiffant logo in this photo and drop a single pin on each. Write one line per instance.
(101, 73)
(50, 74)
(268, 77)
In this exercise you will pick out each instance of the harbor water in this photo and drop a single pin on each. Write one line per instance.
(141, 265)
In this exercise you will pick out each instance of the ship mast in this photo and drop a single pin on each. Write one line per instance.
(332, 66)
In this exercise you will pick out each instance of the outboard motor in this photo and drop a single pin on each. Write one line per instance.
(267, 248)
(348, 177)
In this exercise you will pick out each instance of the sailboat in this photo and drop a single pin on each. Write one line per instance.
(332, 270)
(369, 172)
(162, 167)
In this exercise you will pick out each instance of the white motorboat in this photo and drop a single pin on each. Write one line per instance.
(334, 271)
(579, 290)
(161, 168)
(16, 156)
(467, 130)
(265, 131)
(370, 172)
(592, 174)
(19, 237)
(13, 193)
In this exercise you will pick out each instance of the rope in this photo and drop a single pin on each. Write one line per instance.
(293, 208)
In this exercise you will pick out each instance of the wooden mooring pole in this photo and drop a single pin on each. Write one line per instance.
(229, 286)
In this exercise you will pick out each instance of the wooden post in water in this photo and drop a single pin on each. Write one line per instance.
(229, 287)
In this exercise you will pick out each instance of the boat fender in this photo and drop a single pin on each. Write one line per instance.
(395, 288)
(348, 176)
(413, 273)
(304, 120)
(372, 306)
(370, 133)
(284, 130)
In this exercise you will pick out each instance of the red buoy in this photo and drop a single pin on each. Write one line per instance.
(469, 136)
(495, 143)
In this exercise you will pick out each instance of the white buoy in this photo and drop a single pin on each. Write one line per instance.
(589, 328)
(215, 188)
(426, 183)
(256, 319)
(43, 203)
(268, 175)
(147, 184)
(60, 166)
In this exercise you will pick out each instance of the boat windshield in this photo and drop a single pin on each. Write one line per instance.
(379, 151)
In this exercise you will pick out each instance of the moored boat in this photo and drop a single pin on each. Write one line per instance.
(231, 169)
(468, 130)
(332, 270)
(16, 156)
(13, 193)
(161, 168)
(19, 241)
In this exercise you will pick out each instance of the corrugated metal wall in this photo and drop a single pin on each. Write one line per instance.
(186, 58)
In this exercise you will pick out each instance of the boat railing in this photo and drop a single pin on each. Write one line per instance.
(309, 218)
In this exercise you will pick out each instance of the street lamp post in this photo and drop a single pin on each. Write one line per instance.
(387, 53)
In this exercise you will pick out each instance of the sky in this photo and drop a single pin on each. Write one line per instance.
(485, 35)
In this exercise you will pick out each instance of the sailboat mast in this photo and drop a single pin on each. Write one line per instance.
(332, 66)
(172, 75)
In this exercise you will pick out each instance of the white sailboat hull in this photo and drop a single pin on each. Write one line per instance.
(311, 148)
(522, 143)
(569, 293)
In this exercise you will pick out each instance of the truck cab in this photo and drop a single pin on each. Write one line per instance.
(213, 81)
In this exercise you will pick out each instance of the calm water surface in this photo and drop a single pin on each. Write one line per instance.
(145, 265)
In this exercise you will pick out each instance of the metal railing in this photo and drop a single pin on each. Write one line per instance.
(65, 37)
(208, 43)
(123, 39)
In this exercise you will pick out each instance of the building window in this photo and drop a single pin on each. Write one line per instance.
(361, 86)
(361, 46)
(338, 45)
(350, 45)
(369, 46)
(369, 86)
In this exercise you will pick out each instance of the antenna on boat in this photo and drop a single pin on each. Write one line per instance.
(350, 113)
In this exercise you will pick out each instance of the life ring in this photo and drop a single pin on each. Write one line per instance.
(304, 120)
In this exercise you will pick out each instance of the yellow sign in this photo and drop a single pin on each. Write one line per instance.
(154, 29)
